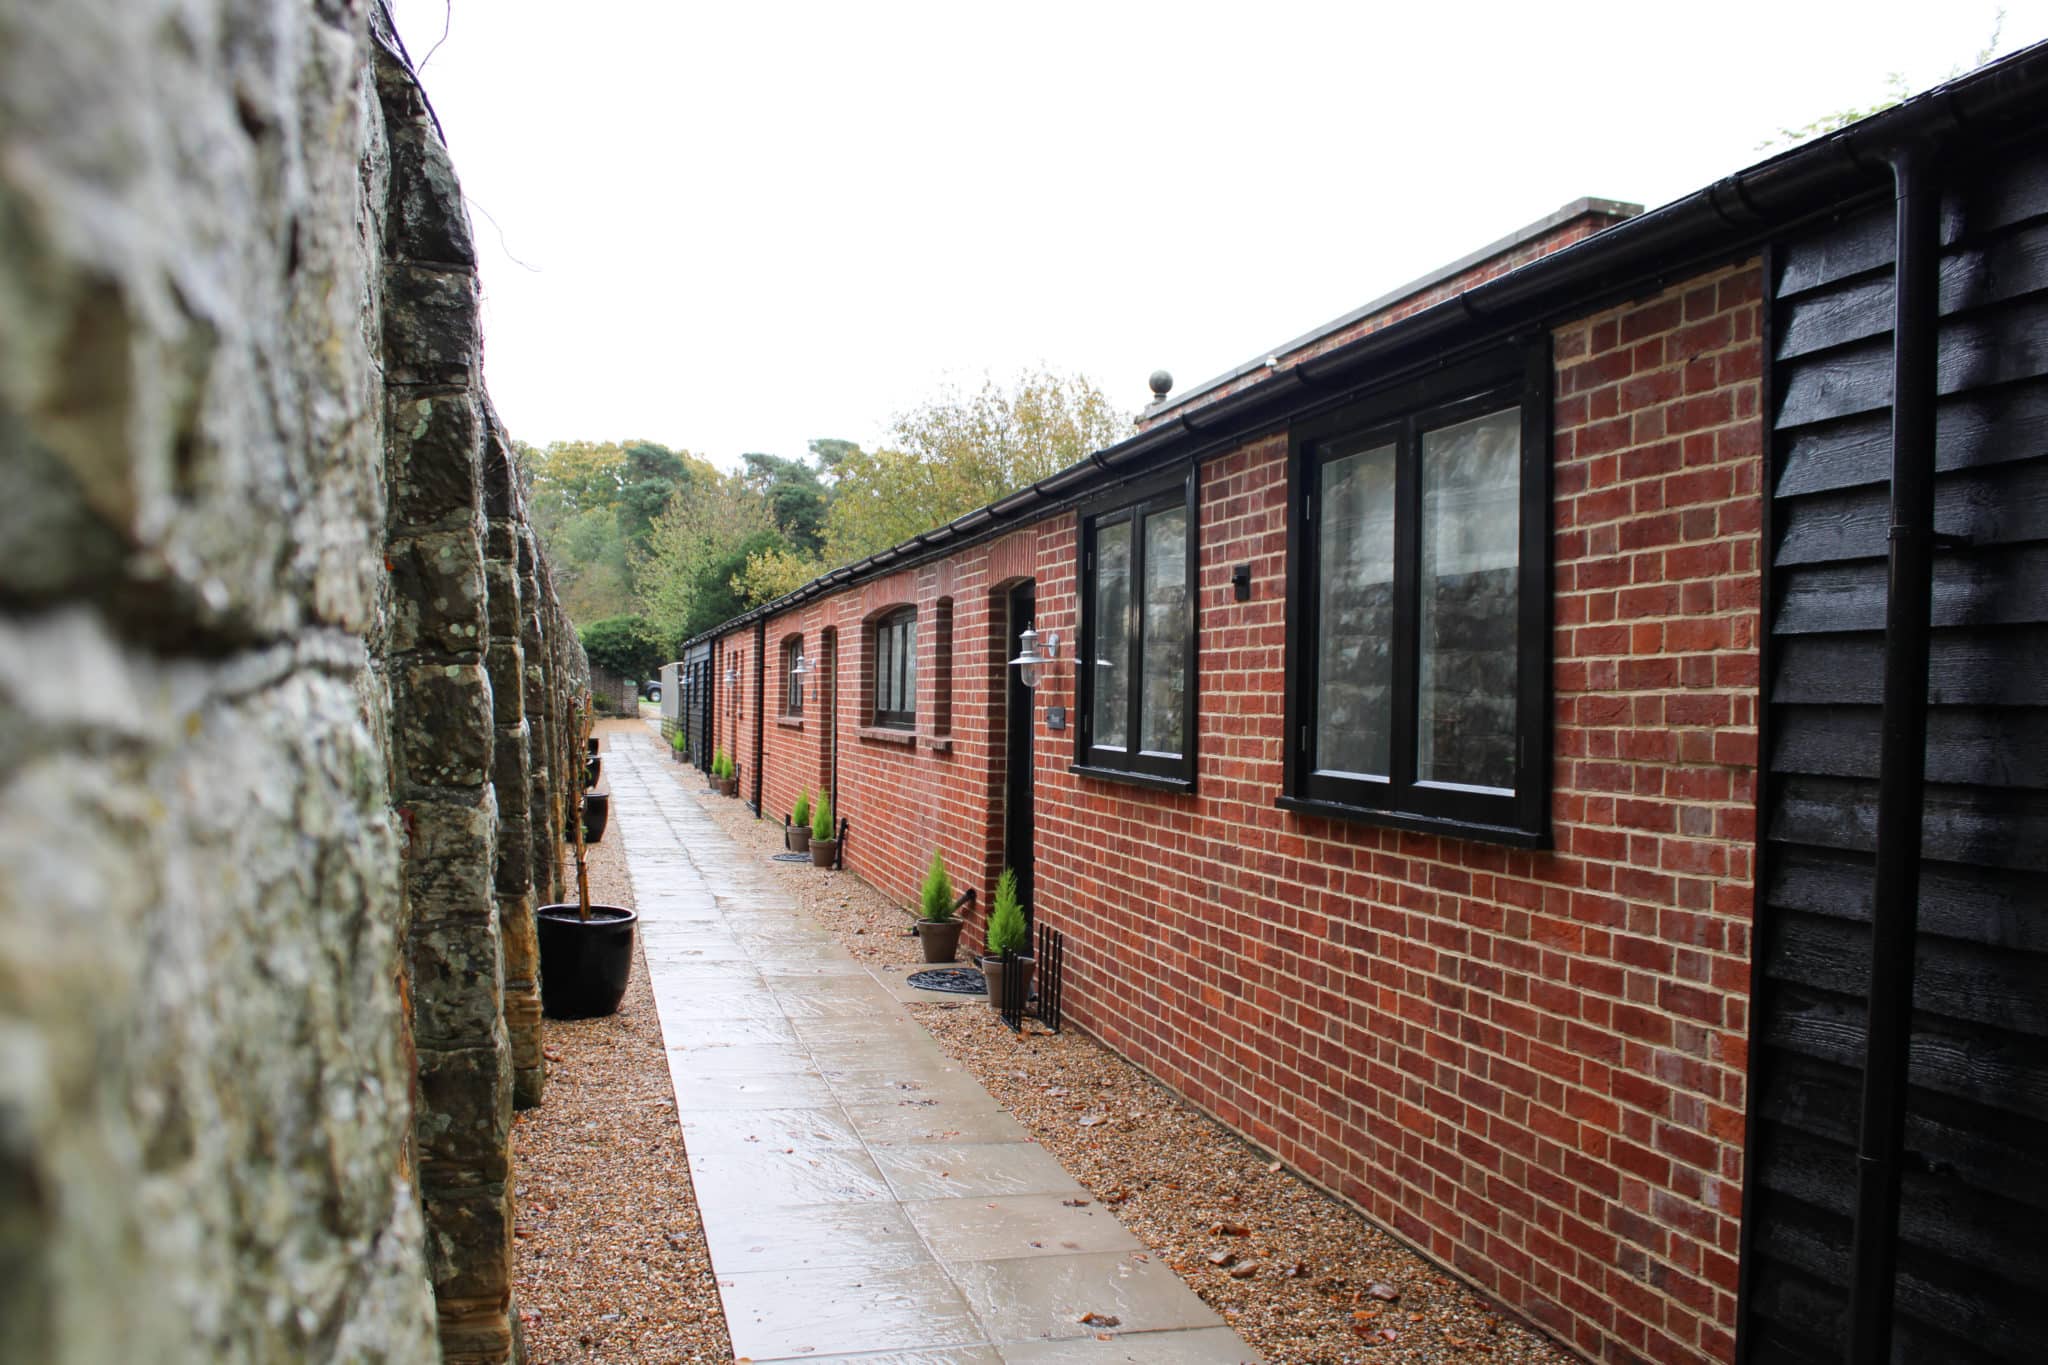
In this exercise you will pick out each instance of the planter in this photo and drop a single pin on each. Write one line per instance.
(597, 810)
(592, 766)
(940, 938)
(592, 744)
(992, 969)
(797, 838)
(728, 786)
(583, 964)
(823, 851)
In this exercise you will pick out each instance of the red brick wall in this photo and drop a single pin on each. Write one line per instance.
(1528, 1064)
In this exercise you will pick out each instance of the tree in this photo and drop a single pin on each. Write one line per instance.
(1897, 90)
(960, 452)
(796, 499)
(772, 572)
(694, 550)
(623, 645)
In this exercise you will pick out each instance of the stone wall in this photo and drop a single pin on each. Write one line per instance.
(284, 703)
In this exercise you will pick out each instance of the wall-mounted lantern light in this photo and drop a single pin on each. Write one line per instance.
(1029, 663)
(802, 666)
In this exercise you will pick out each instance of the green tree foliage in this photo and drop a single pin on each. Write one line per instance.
(593, 506)
(694, 551)
(962, 451)
(1897, 90)
(770, 573)
(652, 475)
(935, 899)
(796, 498)
(625, 646)
(1006, 926)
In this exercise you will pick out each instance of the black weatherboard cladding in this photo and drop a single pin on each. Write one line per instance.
(1972, 1258)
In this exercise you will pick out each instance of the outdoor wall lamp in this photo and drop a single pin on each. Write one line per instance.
(802, 667)
(1029, 662)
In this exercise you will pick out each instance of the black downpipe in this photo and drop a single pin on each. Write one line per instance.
(1902, 772)
(760, 704)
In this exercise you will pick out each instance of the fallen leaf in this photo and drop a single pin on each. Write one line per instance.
(1229, 1230)
(1245, 1271)
(1385, 1293)
(1100, 1320)
(1222, 1258)
(1075, 1203)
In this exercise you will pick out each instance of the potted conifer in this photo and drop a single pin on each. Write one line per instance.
(726, 775)
(797, 834)
(586, 951)
(1007, 932)
(824, 846)
(937, 928)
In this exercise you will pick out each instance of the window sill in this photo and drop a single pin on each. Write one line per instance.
(1416, 824)
(1151, 780)
(939, 744)
(790, 722)
(888, 734)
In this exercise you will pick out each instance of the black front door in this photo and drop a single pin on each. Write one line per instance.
(1018, 821)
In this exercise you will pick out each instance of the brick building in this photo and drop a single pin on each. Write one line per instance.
(1460, 766)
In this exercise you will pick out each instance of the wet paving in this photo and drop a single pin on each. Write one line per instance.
(863, 1198)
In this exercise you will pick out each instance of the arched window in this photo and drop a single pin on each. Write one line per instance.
(895, 656)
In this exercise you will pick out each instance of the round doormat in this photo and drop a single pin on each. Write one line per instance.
(952, 980)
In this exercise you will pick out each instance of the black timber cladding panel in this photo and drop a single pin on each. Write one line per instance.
(1973, 1253)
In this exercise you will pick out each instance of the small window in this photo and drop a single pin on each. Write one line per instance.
(896, 669)
(1135, 668)
(1420, 606)
(792, 680)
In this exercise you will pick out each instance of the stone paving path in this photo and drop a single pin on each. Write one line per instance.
(863, 1197)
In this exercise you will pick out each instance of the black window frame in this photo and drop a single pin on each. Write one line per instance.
(1520, 817)
(792, 681)
(1173, 772)
(895, 638)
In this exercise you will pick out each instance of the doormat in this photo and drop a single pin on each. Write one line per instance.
(952, 980)
(789, 857)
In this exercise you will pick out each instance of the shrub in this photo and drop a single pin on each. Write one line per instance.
(721, 765)
(1006, 927)
(800, 813)
(935, 902)
(821, 817)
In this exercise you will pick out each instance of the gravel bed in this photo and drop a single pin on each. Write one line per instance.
(609, 1258)
(1305, 1279)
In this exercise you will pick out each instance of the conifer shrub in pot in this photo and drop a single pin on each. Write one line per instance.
(937, 928)
(586, 951)
(1007, 932)
(824, 847)
(797, 833)
(725, 774)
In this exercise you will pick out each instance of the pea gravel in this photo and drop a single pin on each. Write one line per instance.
(609, 1258)
(1305, 1279)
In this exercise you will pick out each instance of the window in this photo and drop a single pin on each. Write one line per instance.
(792, 681)
(896, 669)
(1135, 667)
(1420, 611)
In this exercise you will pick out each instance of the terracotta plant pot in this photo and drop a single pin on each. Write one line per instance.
(597, 810)
(940, 938)
(728, 786)
(584, 963)
(797, 838)
(823, 851)
(992, 969)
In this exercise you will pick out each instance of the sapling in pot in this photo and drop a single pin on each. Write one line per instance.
(586, 951)
(1007, 932)
(824, 846)
(799, 830)
(937, 928)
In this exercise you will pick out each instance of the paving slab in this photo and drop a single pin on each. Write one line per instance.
(863, 1197)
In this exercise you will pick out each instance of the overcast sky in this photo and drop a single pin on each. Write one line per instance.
(738, 226)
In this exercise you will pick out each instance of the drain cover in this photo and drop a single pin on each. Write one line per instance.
(952, 980)
(789, 857)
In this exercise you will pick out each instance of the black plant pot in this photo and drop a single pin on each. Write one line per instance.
(597, 811)
(592, 743)
(584, 964)
(592, 766)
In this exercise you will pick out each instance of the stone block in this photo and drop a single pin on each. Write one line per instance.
(505, 661)
(434, 445)
(457, 980)
(432, 332)
(464, 1120)
(501, 586)
(424, 217)
(437, 583)
(449, 861)
(445, 726)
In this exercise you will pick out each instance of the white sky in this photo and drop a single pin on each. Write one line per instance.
(750, 224)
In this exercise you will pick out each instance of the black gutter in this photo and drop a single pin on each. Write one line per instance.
(1902, 763)
(1731, 216)
(760, 703)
